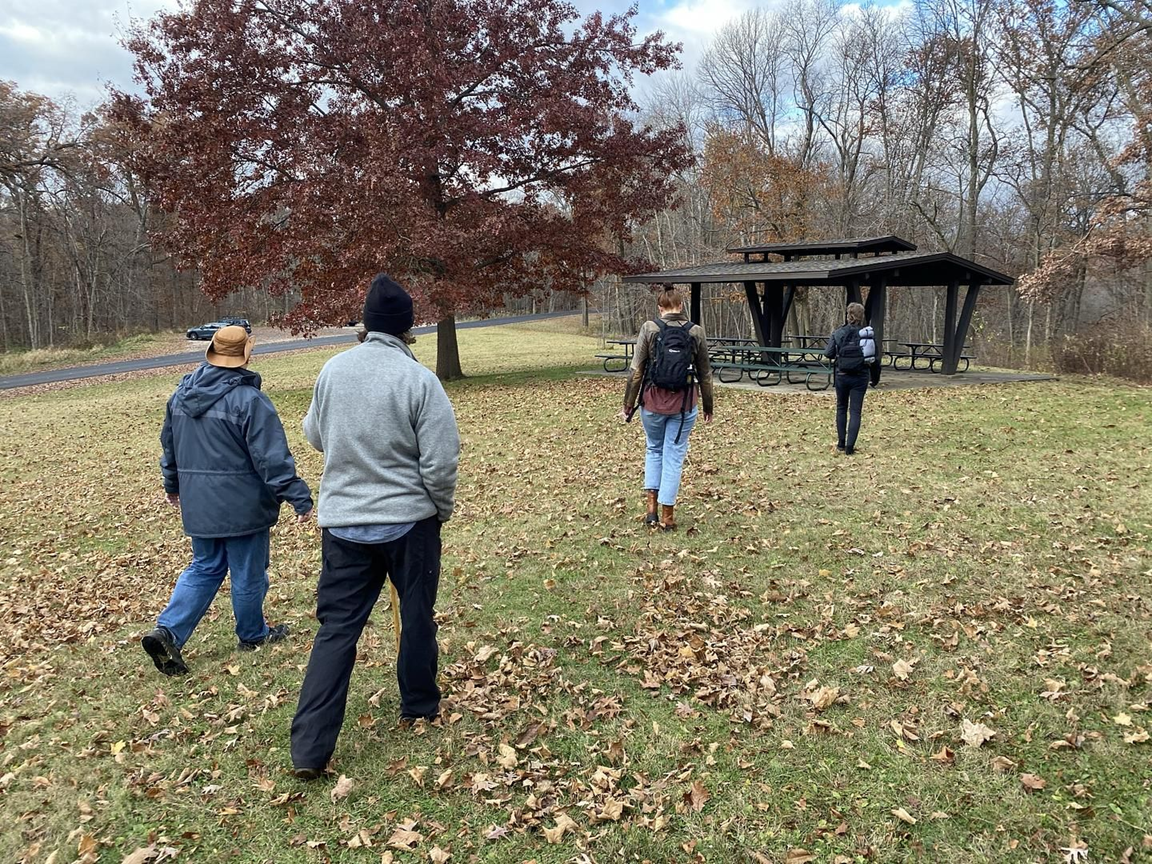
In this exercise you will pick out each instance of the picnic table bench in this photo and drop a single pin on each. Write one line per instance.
(622, 355)
(769, 366)
(929, 354)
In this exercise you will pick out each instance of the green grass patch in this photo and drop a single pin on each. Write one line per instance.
(783, 677)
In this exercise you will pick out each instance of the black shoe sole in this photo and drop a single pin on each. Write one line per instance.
(165, 662)
(270, 639)
(307, 774)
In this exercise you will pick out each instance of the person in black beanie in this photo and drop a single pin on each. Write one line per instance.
(387, 308)
(391, 447)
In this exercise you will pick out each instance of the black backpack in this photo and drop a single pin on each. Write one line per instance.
(850, 356)
(671, 356)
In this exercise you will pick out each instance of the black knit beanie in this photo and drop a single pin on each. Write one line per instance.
(388, 307)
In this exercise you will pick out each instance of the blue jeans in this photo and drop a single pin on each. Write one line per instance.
(664, 457)
(247, 559)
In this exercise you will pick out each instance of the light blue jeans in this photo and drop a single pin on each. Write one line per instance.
(247, 559)
(664, 457)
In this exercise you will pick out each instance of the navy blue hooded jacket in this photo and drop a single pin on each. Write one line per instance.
(226, 456)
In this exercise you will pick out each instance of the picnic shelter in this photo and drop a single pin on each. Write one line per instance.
(875, 263)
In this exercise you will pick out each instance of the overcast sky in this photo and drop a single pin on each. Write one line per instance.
(61, 47)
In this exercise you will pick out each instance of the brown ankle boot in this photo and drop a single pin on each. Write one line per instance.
(651, 518)
(667, 517)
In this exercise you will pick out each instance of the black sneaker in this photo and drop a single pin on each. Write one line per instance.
(161, 647)
(849, 451)
(275, 634)
(307, 774)
(840, 447)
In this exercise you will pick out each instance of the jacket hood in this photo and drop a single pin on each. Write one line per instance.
(200, 390)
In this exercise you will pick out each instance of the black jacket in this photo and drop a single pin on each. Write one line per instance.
(226, 455)
(836, 342)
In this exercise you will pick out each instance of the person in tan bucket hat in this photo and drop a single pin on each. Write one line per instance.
(230, 348)
(227, 466)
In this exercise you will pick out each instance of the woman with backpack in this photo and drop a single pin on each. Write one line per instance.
(851, 376)
(661, 379)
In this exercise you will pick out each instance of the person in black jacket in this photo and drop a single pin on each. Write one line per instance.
(227, 466)
(851, 377)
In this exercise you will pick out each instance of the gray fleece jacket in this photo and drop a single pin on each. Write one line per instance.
(388, 435)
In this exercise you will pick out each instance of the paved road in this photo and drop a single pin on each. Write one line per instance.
(77, 373)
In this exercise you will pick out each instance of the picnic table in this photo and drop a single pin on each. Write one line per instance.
(769, 366)
(806, 341)
(928, 353)
(622, 355)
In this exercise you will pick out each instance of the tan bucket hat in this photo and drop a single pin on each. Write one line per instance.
(230, 347)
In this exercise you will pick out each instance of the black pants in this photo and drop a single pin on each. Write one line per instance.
(350, 582)
(850, 390)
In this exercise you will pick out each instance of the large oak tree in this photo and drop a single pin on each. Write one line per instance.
(472, 148)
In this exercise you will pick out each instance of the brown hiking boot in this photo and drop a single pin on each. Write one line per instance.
(651, 520)
(667, 517)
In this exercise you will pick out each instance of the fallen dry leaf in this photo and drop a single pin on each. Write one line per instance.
(507, 758)
(405, 838)
(438, 855)
(144, 853)
(1032, 782)
(903, 815)
(1002, 764)
(823, 697)
(697, 796)
(563, 823)
(799, 856)
(975, 734)
(902, 669)
(341, 789)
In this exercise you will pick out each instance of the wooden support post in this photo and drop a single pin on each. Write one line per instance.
(852, 291)
(874, 311)
(757, 312)
(952, 361)
(695, 309)
(774, 313)
(950, 326)
(789, 296)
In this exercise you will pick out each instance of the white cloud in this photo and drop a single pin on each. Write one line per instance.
(69, 48)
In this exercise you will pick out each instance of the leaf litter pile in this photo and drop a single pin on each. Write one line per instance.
(940, 649)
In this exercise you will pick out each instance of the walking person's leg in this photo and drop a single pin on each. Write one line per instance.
(190, 599)
(842, 389)
(672, 464)
(248, 566)
(414, 568)
(855, 406)
(351, 578)
(653, 459)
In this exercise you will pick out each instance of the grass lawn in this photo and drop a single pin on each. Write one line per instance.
(801, 673)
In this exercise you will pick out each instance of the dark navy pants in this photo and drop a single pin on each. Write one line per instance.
(850, 390)
(351, 580)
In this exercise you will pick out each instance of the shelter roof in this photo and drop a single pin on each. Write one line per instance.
(877, 245)
(900, 269)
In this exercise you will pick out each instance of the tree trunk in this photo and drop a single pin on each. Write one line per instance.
(447, 350)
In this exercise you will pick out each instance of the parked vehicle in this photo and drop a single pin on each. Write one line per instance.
(239, 322)
(205, 331)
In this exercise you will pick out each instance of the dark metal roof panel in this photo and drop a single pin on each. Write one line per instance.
(906, 268)
(888, 243)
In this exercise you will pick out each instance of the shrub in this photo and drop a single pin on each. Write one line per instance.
(1121, 349)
